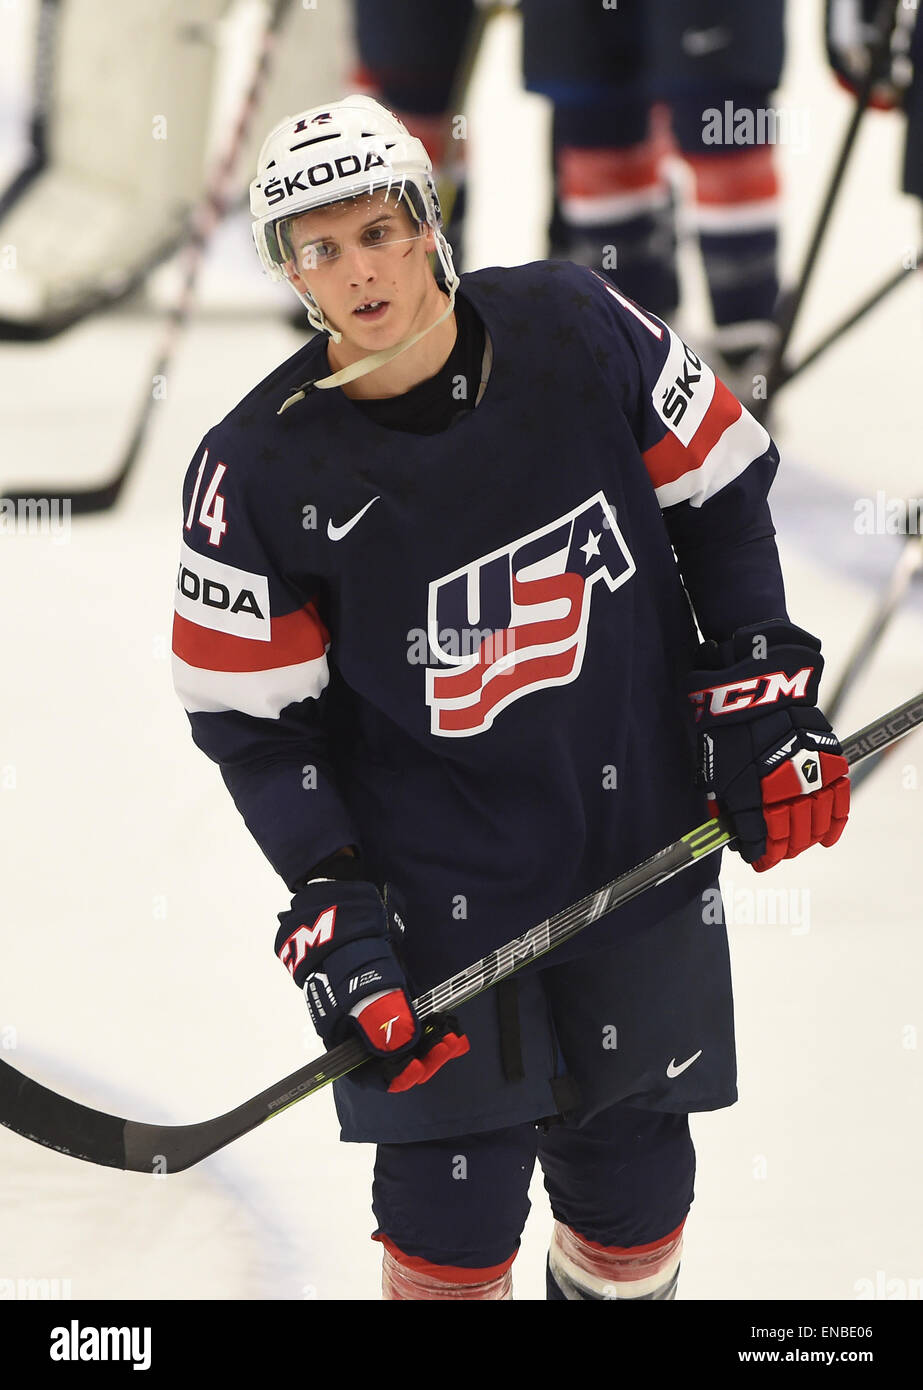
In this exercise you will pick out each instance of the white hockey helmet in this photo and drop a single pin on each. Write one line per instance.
(349, 149)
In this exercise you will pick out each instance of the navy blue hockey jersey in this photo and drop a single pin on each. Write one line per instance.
(462, 652)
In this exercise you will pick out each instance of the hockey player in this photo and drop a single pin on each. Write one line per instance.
(433, 623)
(634, 83)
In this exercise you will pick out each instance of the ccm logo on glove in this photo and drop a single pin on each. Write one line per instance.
(725, 699)
(293, 950)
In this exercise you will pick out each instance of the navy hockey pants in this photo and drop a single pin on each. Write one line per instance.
(623, 1179)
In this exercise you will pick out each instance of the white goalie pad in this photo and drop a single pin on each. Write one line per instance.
(144, 102)
(127, 129)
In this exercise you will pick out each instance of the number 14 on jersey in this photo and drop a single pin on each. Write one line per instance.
(211, 513)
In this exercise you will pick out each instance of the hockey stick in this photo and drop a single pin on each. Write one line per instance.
(790, 304)
(207, 215)
(909, 563)
(36, 1113)
(864, 771)
(787, 371)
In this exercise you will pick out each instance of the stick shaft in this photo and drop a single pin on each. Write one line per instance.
(788, 371)
(883, 24)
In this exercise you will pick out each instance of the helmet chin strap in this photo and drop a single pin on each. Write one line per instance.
(371, 362)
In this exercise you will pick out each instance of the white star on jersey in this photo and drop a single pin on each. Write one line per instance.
(592, 546)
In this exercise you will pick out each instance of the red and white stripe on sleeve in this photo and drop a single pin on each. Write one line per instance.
(231, 653)
(710, 439)
(695, 436)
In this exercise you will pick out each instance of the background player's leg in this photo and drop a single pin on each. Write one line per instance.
(716, 62)
(450, 1213)
(735, 214)
(612, 204)
(409, 53)
(620, 1188)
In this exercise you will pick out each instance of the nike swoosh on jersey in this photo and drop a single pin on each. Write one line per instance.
(674, 1070)
(336, 533)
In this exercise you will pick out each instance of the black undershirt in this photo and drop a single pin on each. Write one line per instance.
(440, 401)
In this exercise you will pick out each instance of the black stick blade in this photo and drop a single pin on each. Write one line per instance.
(34, 1112)
(79, 501)
(46, 1118)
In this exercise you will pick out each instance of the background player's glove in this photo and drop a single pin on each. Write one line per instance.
(768, 760)
(851, 38)
(337, 942)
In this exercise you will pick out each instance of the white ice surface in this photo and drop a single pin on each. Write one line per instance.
(136, 972)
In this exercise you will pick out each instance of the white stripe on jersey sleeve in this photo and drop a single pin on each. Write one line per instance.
(264, 694)
(741, 443)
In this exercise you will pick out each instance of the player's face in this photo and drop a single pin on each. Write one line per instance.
(365, 263)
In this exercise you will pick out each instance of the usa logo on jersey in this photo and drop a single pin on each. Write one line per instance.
(516, 620)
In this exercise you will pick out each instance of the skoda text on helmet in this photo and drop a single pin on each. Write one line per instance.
(352, 148)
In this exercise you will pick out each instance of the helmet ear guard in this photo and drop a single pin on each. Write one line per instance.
(274, 234)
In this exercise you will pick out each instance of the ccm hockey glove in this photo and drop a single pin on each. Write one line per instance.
(336, 943)
(768, 760)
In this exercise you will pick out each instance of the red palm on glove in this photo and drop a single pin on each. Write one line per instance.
(388, 1023)
(796, 816)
